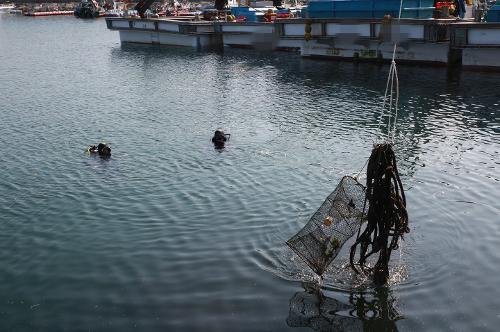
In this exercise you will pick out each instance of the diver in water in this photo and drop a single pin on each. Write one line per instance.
(101, 149)
(219, 138)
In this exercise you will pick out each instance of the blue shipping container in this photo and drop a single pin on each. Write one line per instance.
(353, 5)
(493, 14)
(382, 13)
(321, 14)
(354, 13)
(371, 8)
(320, 5)
(426, 12)
(409, 13)
(426, 3)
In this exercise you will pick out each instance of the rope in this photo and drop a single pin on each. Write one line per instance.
(391, 95)
(387, 218)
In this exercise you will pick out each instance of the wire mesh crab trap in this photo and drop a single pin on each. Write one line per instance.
(338, 218)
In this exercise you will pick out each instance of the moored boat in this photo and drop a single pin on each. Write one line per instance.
(358, 35)
(49, 13)
(88, 9)
(6, 7)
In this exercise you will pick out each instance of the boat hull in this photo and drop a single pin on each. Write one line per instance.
(437, 42)
(248, 35)
(165, 38)
(165, 32)
(477, 44)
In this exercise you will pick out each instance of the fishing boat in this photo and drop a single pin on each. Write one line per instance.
(49, 13)
(6, 7)
(89, 9)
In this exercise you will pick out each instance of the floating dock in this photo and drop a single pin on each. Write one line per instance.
(199, 35)
(52, 13)
(445, 42)
(422, 41)
(476, 44)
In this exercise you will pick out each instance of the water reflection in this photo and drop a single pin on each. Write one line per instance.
(322, 312)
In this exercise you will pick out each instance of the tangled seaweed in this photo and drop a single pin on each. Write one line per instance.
(387, 216)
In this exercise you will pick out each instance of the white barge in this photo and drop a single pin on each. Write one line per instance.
(431, 41)
(248, 35)
(477, 44)
(174, 32)
(423, 41)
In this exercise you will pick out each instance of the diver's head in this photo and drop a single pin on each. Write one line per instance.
(219, 139)
(103, 149)
(219, 134)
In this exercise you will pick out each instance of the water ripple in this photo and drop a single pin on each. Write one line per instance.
(171, 234)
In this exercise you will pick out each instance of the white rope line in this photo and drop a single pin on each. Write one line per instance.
(393, 102)
(385, 101)
(391, 73)
(396, 103)
(390, 101)
(399, 17)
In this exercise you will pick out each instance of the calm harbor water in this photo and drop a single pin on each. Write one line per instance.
(170, 235)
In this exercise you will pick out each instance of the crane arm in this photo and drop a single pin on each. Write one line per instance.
(142, 6)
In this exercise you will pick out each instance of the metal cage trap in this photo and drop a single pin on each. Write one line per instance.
(338, 218)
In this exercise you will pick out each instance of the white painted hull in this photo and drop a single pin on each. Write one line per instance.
(6, 8)
(363, 40)
(481, 58)
(479, 44)
(419, 41)
(249, 35)
(164, 38)
(164, 32)
(436, 53)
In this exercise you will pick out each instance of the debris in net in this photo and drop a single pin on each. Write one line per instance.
(387, 215)
(338, 218)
